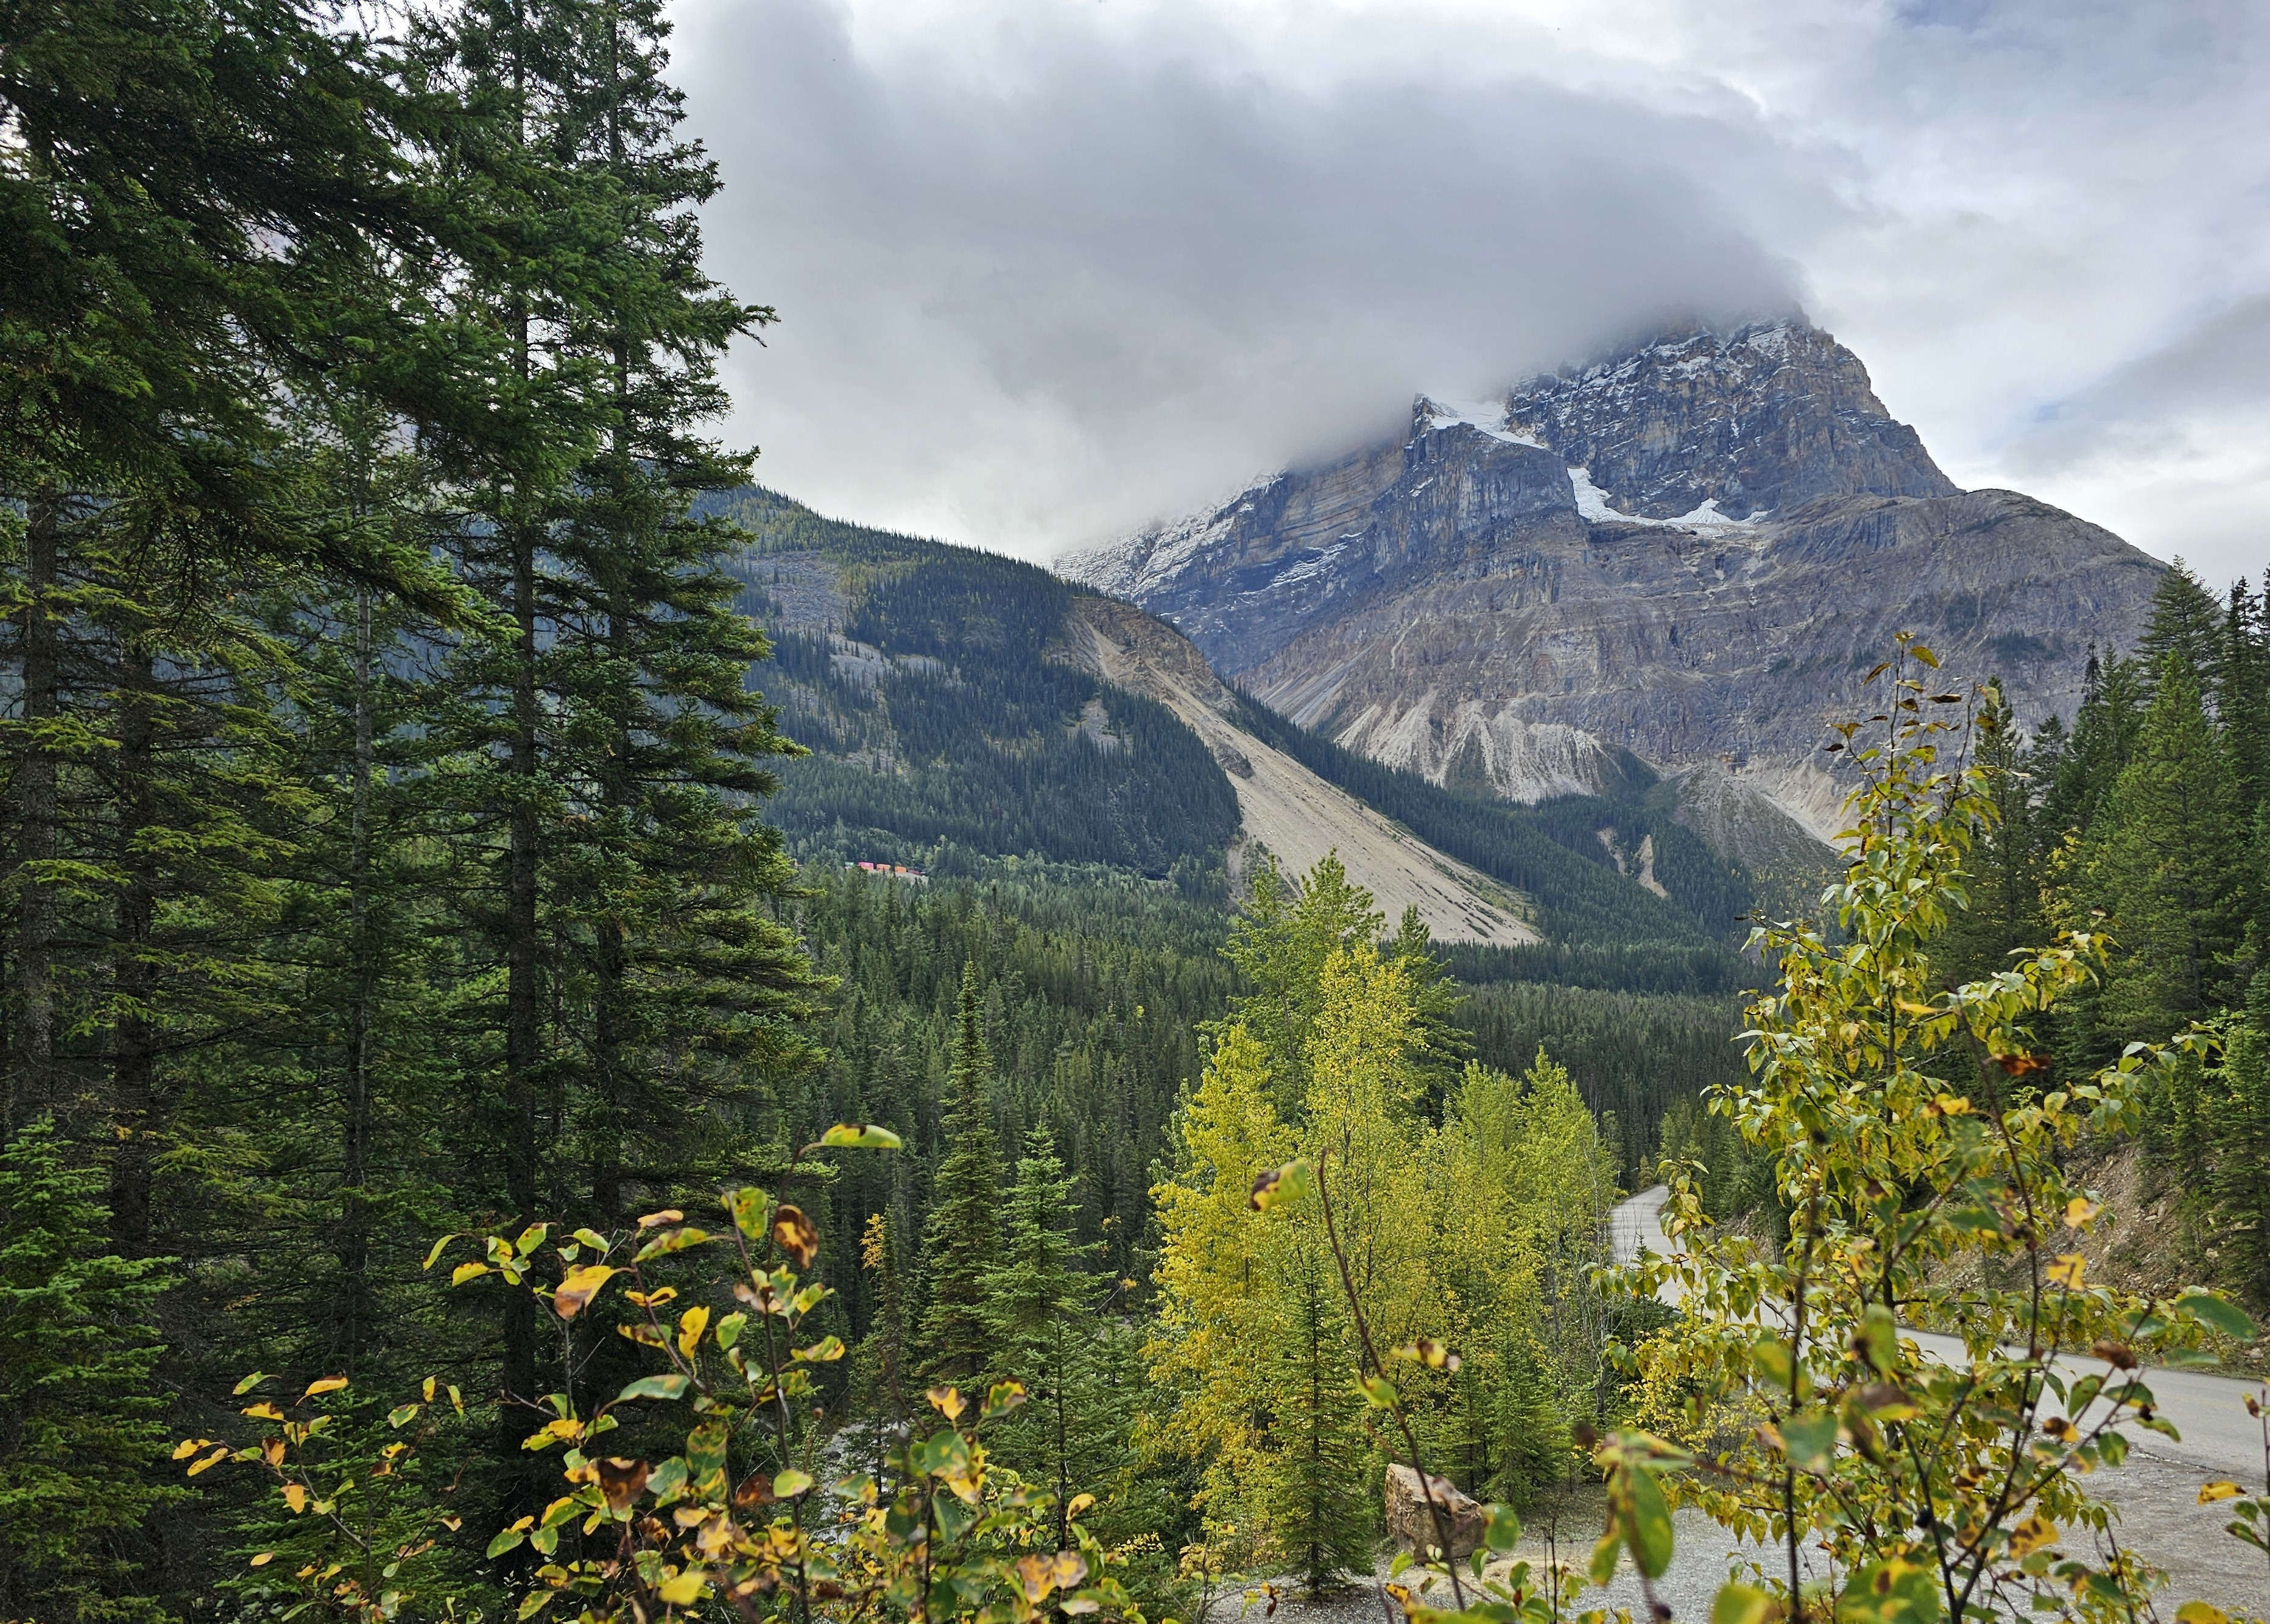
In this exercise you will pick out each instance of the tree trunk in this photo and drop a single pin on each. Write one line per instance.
(32, 1082)
(355, 1308)
(133, 1047)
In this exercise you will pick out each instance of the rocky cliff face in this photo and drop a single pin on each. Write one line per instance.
(1691, 552)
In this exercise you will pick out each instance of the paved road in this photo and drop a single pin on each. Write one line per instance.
(2209, 1411)
(2155, 1490)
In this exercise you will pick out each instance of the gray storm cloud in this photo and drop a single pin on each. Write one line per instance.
(1098, 281)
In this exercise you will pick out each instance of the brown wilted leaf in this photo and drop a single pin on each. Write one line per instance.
(756, 1490)
(622, 1481)
(2021, 1065)
(795, 1233)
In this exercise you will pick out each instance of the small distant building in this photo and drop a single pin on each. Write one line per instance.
(894, 870)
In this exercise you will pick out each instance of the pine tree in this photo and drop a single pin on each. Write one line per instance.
(2243, 691)
(2238, 1129)
(883, 1353)
(1445, 1048)
(80, 1417)
(2187, 627)
(1281, 941)
(2167, 862)
(1316, 1494)
(1039, 1305)
(2008, 861)
(961, 1236)
(2104, 736)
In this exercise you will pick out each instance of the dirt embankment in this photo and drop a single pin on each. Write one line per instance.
(1283, 806)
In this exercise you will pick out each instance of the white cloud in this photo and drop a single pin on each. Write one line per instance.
(1045, 271)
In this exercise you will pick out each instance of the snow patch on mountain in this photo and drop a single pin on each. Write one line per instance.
(1592, 503)
(1133, 567)
(1433, 414)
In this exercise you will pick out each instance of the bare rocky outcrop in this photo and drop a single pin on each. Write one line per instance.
(1692, 552)
(1411, 1522)
(1283, 806)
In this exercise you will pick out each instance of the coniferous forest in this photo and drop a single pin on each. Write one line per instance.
(474, 1144)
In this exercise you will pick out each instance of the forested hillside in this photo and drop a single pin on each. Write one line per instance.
(474, 1145)
(2149, 817)
(920, 677)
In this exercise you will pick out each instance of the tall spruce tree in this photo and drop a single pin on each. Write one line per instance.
(2167, 860)
(2007, 863)
(2187, 626)
(80, 1412)
(1317, 1494)
(962, 1236)
(1040, 1304)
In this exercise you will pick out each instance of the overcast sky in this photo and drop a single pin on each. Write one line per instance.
(1047, 269)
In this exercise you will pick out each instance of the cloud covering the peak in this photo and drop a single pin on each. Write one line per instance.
(1045, 273)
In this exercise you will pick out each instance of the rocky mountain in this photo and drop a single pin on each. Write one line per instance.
(960, 707)
(1687, 555)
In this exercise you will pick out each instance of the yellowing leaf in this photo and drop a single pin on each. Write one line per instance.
(465, 1271)
(263, 1559)
(323, 1384)
(1741, 1604)
(860, 1136)
(1079, 1504)
(2201, 1612)
(212, 1460)
(1952, 1105)
(249, 1383)
(690, 1327)
(2212, 1492)
(436, 1252)
(187, 1447)
(582, 1285)
(946, 1401)
(263, 1412)
(2031, 1535)
(296, 1497)
(1430, 1353)
(682, 1590)
(668, 1215)
(2067, 1270)
(2079, 1211)
(788, 1484)
(795, 1235)
(1278, 1186)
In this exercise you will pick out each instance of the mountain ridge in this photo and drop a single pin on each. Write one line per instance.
(1690, 553)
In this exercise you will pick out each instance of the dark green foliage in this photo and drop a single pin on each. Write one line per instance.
(2146, 821)
(925, 680)
(1632, 1057)
(2233, 1128)
(80, 1417)
(961, 1233)
(1636, 967)
(1090, 986)
(1041, 1304)
(1319, 1503)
